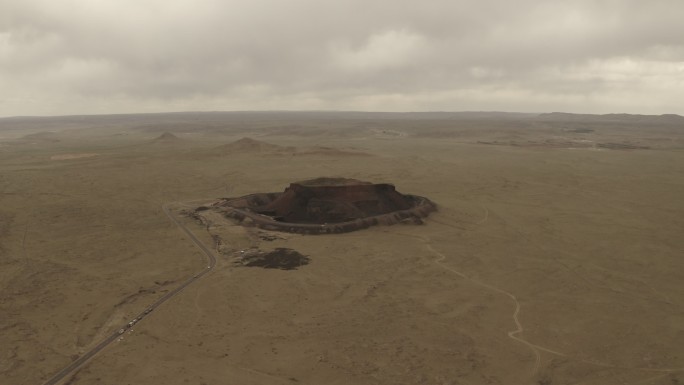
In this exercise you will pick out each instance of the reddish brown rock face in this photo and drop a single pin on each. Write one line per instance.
(327, 205)
(333, 204)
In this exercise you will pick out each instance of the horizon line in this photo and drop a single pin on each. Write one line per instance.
(330, 111)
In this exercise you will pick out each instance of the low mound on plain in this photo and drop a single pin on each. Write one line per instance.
(325, 205)
(40, 137)
(248, 145)
(167, 138)
(330, 151)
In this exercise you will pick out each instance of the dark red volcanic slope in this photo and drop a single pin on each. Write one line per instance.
(326, 205)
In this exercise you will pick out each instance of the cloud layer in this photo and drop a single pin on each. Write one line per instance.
(106, 56)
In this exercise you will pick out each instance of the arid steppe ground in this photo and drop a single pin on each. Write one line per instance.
(556, 256)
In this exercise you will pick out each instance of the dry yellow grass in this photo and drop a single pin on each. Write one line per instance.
(544, 265)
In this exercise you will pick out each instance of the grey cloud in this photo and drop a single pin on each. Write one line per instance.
(79, 56)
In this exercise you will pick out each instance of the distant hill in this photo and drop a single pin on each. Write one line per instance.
(167, 138)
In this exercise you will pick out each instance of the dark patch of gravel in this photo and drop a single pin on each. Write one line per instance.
(280, 258)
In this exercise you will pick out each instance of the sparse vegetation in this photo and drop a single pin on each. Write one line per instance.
(586, 239)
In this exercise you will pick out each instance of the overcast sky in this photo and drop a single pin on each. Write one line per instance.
(112, 56)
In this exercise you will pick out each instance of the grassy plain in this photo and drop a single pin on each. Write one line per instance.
(555, 256)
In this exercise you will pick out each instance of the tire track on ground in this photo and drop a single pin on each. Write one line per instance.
(80, 361)
(515, 334)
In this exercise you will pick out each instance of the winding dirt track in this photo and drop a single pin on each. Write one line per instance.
(519, 328)
(59, 376)
(515, 334)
